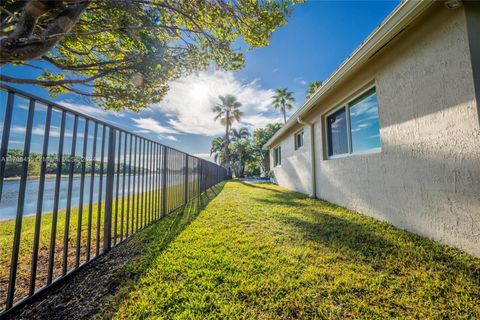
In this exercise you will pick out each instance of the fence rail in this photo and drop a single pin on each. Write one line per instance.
(80, 187)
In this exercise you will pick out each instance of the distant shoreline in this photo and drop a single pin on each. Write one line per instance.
(47, 176)
(76, 175)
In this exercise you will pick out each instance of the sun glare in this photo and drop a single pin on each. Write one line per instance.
(199, 91)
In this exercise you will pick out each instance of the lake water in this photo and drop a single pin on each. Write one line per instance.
(8, 204)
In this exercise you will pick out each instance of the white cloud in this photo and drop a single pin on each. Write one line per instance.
(23, 106)
(361, 126)
(260, 120)
(300, 80)
(40, 131)
(152, 125)
(15, 142)
(169, 137)
(368, 106)
(93, 111)
(54, 132)
(190, 100)
(205, 156)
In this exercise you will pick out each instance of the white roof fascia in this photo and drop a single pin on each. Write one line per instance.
(400, 17)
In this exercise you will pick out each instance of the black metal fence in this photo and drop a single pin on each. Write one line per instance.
(71, 187)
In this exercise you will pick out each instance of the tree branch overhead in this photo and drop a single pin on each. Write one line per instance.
(123, 53)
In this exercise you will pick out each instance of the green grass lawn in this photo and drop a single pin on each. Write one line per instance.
(262, 252)
(7, 227)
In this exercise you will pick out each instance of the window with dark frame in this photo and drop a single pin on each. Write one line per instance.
(299, 140)
(277, 156)
(354, 128)
(337, 132)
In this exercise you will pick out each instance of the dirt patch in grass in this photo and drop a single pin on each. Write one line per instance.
(81, 297)
(99, 286)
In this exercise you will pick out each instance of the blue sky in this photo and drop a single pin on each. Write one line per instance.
(319, 36)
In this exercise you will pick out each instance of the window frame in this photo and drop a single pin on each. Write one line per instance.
(353, 99)
(295, 142)
(277, 156)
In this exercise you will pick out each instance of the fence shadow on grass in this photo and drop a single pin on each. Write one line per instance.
(380, 245)
(352, 239)
(365, 239)
(280, 199)
(259, 186)
(98, 287)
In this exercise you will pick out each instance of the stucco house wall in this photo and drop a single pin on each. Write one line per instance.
(295, 171)
(426, 178)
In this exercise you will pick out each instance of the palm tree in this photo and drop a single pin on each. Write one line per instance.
(227, 111)
(282, 100)
(218, 150)
(241, 154)
(312, 87)
(240, 134)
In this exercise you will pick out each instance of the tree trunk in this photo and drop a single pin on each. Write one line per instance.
(284, 115)
(266, 162)
(20, 46)
(227, 152)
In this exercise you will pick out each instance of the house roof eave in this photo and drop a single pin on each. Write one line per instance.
(397, 20)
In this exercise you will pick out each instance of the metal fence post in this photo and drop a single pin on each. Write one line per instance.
(164, 182)
(107, 235)
(186, 178)
(20, 207)
(7, 122)
(200, 180)
(104, 178)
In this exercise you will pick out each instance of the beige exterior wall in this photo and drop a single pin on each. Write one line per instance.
(426, 178)
(295, 171)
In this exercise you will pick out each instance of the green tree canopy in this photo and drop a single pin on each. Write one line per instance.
(240, 134)
(245, 151)
(218, 150)
(260, 137)
(227, 111)
(312, 87)
(282, 100)
(241, 154)
(122, 53)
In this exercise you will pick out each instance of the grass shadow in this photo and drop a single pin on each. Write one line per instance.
(378, 244)
(97, 288)
(280, 200)
(259, 186)
(351, 238)
(364, 239)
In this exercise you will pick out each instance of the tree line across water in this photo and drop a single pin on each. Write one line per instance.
(15, 159)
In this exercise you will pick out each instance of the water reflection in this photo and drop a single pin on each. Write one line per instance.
(8, 205)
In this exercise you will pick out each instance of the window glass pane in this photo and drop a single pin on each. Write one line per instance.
(299, 140)
(276, 156)
(337, 133)
(364, 123)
